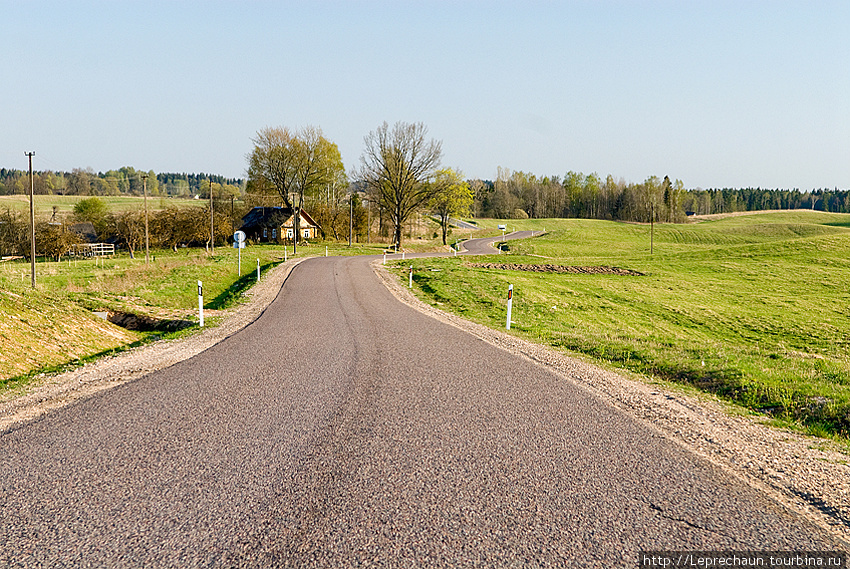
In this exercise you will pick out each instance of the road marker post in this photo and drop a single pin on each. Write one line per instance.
(201, 303)
(510, 305)
(385, 259)
(402, 255)
(239, 243)
(258, 270)
(284, 255)
(410, 281)
(326, 250)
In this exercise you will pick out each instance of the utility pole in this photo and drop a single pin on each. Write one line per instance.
(350, 217)
(32, 219)
(147, 234)
(652, 228)
(212, 226)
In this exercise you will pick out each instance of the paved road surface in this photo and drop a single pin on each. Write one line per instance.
(337, 431)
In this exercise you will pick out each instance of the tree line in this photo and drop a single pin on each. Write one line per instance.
(167, 228)
(124, 181)
(519, 195)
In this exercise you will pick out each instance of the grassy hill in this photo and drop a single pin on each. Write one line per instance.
(44, 205)
(753, 308)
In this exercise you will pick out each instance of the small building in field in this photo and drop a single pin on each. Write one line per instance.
(276, 225)
(85, 231)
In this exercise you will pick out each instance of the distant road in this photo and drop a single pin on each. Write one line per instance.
(337, 431)
(462, 224)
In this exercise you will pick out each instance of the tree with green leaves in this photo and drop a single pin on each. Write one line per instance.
(95, 211)
(397, 166)
(293, 165)
(453, 197)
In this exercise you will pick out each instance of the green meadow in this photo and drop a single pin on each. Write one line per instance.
(64, 205)
(752, 308)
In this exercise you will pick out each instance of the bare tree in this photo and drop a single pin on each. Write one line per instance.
(293, 165)
(397, 166)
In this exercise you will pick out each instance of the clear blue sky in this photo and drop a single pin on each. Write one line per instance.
(716, 93)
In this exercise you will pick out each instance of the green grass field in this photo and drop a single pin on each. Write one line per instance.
(752, 308)
(43, 205)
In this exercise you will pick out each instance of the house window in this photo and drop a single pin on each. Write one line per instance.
(265, 232)
(289, 233)
(306, 233)
(274, 233)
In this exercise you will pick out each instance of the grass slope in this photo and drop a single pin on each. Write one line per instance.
(753, 308)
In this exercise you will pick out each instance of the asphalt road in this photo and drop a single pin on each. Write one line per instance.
(343, 429)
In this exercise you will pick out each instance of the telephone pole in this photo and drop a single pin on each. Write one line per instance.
(147, 235)
(32, 219)
(350, 217)
(212, 226)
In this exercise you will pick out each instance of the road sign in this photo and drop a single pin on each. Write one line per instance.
(239, 237)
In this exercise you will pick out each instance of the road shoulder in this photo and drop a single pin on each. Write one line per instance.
(806, 475)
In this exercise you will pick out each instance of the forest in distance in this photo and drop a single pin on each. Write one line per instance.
(512, 195)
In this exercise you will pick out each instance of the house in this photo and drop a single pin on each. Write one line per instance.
(263, 224)
(85, 231)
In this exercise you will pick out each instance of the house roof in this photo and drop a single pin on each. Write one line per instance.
(85, 230)
(265, 217)
(260, 217)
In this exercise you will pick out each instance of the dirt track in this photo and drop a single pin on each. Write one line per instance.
(546, 268)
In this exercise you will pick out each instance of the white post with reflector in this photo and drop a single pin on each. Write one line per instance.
(239, 243)
(410, 282)
(510, 305)
(201, 303)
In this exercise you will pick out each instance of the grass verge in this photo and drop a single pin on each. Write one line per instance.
(750, 308)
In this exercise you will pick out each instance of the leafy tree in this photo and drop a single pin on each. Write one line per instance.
(453, 197)
(294, 165)
(397, 166)
(95, 211)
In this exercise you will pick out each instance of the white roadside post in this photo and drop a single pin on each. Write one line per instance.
(258, 270)
(510, 305)
(239, 243)
(201, 302)
(385, 259)
(410, 281)
(326, 250)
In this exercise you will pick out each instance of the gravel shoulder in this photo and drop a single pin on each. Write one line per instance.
(806, 475)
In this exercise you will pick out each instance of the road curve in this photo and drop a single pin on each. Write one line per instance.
(336, 431)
